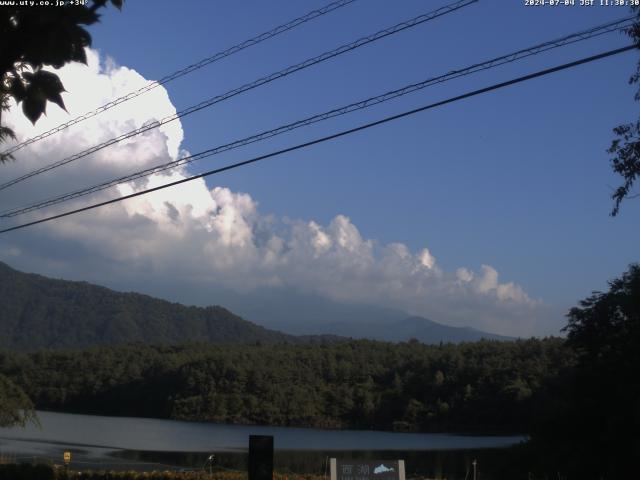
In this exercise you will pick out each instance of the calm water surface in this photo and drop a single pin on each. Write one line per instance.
(142, 443)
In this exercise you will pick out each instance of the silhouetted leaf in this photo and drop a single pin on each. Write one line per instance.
(50, 86)
(34, 106)
(17, 90)
(6, 132)
(36, 37)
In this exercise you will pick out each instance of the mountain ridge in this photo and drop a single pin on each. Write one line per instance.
(282, 311)
(42, 312)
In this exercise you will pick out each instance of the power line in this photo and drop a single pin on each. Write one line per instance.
(186, 70)
(342, 133)
(249, 86)
(495, 62)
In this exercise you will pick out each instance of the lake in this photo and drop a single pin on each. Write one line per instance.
(146, 444)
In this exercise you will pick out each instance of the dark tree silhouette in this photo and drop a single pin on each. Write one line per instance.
(15, 406)
(607, 325)
(591, 418)
(626, 147)
(605, 333)
(33, 37)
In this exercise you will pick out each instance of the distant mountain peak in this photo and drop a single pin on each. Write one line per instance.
(40, 312)
(306, 314)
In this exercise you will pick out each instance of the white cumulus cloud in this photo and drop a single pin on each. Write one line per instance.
(193, 235)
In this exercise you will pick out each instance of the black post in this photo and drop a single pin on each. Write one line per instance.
(260, 457)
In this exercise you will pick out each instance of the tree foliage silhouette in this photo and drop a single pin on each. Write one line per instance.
(605, 333)
(33, 37)
(15, 406)
(607, 325)
(591, 417)
(626, 147)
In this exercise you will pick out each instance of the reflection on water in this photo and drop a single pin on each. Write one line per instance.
(167, 435)
(151, 444)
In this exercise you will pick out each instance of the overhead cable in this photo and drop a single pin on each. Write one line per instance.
(186, 70)
(360, 105)
(249, 86)
(332, 136)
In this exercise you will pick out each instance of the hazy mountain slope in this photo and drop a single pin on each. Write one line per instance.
(298, 314)
(428, 331)
(38, 312)
(302, 314)
(422, 329)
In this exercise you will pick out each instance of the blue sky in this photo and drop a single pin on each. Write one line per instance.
(518, 179)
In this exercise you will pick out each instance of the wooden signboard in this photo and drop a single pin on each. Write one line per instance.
(367, 470)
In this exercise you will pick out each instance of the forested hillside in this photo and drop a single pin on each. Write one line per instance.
(39, 312)
(483, 386)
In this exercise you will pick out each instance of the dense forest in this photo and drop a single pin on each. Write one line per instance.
(578, 398)
(481, 386)
(40, 312)
(590, 416)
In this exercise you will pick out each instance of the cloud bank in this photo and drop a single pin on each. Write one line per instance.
(193, 235)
